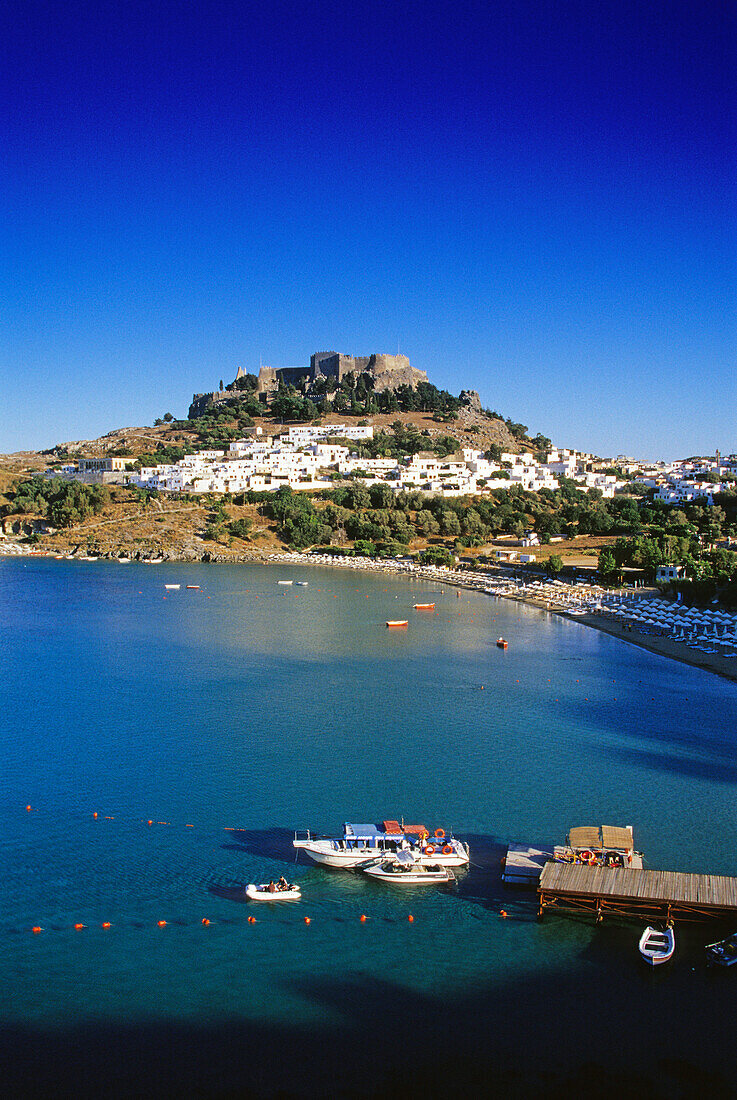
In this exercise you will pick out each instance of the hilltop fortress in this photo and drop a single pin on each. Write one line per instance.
(388, 372)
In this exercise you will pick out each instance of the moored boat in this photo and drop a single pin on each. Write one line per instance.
(656, 945)
(397, 622)
(302, 584)
(424, 607)
(723, 953)
(406, 870)
(501, 643)
(285, 582)
(364, 843)
(272, 891)
(193, 586)
(172, 587)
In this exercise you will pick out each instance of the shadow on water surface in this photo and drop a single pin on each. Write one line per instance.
(480, 883)
(670, 745)
(273, 843)
(550, 1035)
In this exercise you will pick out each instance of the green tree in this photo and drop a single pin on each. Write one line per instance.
(607, 565)
(553, 565)
(427, 523)
(240, 528)
(450, 525)
(437, 555)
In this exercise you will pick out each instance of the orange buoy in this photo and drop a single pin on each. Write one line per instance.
(307, 920)
(95, 814)
(28, 809)
(189, 826)
(161, 923)
(106, 924)
(37, 928)
(503, 913)
(78, 927)
(363, 915)
(251, 920)
(410, 918)
(205, 920)
(149, 823)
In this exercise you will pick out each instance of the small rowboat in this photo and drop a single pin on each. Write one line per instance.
(172, 587)
(285, 582)
(263, 893)
(424, 607)
(501, 643)
(656, 946)
(397, 622)
(193, 586)
(723, 953)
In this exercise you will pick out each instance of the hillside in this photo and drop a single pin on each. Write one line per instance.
(124, 521)
(134, 524)
(471, 428)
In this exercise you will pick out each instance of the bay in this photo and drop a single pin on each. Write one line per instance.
(232, 714)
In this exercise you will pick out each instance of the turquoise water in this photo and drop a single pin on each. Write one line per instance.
(239, 712)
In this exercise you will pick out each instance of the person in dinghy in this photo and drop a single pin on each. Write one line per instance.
(273, 891)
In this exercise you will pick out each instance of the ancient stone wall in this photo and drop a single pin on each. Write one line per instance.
(388, 371)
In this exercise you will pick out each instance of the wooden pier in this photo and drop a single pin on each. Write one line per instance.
(616, 891)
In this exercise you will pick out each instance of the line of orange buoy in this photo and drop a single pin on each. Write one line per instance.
(96, 816)
(206, 921)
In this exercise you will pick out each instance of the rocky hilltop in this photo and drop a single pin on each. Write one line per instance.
(380, 373)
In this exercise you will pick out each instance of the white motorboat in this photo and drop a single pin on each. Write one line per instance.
(271, 891)
(365, 843)
(657, 945)
(285, 582)
(405, 870)
(302, 584)
(172, 587)
(723, 953)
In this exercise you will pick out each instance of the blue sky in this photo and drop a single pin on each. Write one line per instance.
(535, 200)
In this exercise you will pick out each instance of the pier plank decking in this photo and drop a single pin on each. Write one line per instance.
(635, 892)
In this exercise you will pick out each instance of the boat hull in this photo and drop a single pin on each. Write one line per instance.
(657, 947)
(409, 878)
(350, 860)
(336, 860)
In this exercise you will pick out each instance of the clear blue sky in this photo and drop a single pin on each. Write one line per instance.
(533, 199)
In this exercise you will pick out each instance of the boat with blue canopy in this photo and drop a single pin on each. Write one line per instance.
(363, 842)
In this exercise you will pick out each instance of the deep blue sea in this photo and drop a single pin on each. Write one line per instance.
(232, 715)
